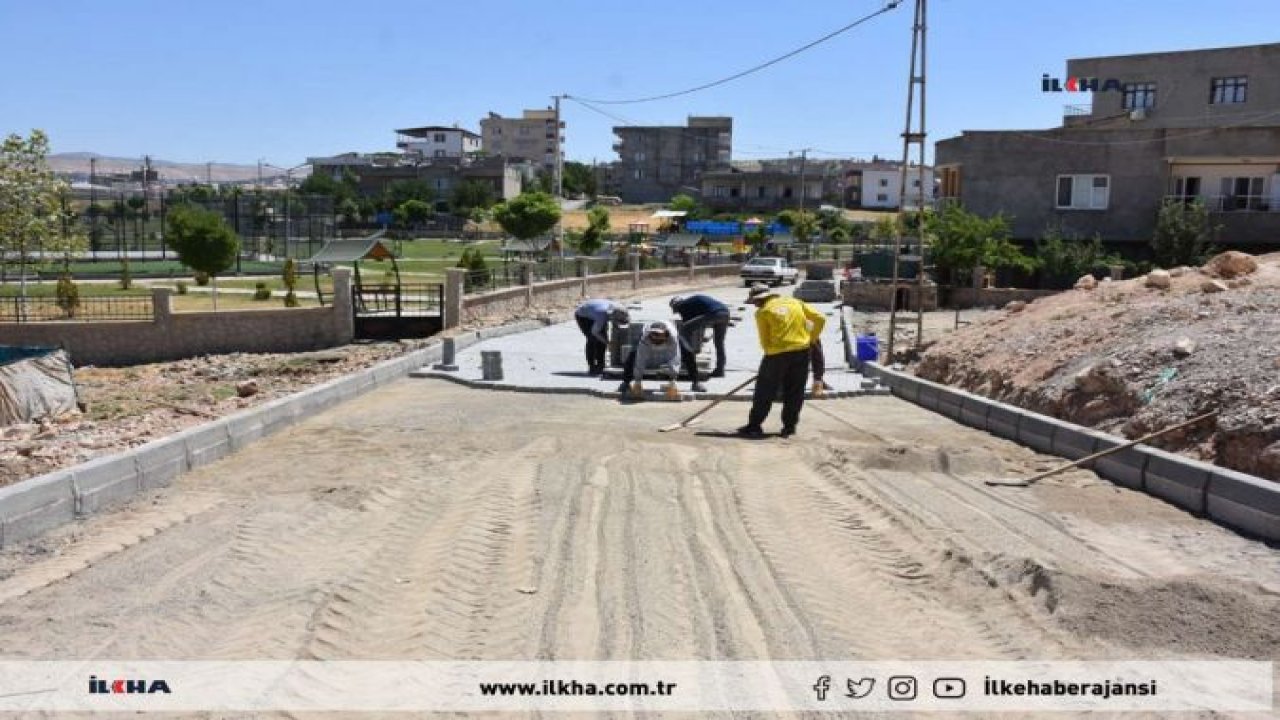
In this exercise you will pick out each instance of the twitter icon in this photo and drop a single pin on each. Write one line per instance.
(860, 688)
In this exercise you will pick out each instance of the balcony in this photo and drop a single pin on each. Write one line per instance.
(1232, 203)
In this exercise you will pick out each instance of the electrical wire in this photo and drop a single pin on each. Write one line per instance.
(706, 86)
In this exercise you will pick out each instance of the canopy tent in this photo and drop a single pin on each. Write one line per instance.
(686, 241)
(533, 246)
(668, 214)
(352, 251)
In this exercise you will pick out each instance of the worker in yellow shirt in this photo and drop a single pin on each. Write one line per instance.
(787, 327)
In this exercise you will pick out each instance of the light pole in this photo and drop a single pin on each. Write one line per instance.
(288, 190)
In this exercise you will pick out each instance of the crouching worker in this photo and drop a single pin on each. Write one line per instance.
(593, 318)
(658, 345)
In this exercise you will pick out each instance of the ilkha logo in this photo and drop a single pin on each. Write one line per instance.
(124, 686)
(1079, 84)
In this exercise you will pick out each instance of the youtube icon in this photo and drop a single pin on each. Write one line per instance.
(948, 688)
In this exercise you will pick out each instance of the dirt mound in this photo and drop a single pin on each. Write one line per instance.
(1129, 359)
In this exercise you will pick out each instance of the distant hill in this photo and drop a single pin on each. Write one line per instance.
(77, 163)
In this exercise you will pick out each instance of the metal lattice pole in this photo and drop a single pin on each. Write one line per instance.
(913, 134)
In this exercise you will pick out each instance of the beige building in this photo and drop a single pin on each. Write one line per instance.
(531, 138)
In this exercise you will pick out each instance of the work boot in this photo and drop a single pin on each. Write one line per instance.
(697, 387)
(718, 372)
(750, 431)
(788, 431)
(625, 388)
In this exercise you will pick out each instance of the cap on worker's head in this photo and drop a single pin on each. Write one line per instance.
(759, 291)
(619, 314)
(677, 300)
(658, 333)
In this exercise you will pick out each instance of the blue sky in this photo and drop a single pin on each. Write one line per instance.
(281, 79)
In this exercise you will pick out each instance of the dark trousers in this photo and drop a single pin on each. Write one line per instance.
(595, 349)
(788, 372)
(693, 331)
(819, 360)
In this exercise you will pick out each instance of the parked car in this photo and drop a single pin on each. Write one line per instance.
(772, 270)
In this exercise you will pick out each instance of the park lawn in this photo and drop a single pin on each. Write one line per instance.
(48, 288)
(203, 302)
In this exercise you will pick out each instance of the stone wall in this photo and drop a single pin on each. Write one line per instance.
(173, 336)
(511, 302)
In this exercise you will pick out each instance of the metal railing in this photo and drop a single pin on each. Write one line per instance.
(16, 309)
(398, 300)
(1230, 203)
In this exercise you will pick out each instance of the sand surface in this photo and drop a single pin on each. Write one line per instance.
(429, 521)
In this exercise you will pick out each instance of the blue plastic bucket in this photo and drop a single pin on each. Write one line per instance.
(868, 348)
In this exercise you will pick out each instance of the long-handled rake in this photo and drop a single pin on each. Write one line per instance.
(1077, 463)
(694, 417)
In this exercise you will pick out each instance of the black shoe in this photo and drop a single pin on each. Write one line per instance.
(718, 372)
(787, 432)
(750, 431)
(624, 388)
(697, 387)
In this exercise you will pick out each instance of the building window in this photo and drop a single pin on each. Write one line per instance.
(884, 182)
(439, 153)
(439, 137)
(1228, 90)
(639, 174)
(1241, 193)
(786, 191)
(1139, 95)
(882, 197)
(719, 191)
(760, 191)
(640, 156)
(1083, 192)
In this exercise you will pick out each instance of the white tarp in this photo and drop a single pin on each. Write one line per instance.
(35, 386)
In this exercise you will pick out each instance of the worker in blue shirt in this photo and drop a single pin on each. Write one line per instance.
(697, 312)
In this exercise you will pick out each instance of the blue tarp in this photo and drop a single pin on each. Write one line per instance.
(720, 227)
(14, 353)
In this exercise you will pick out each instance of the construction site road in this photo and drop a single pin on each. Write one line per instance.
(429, 521)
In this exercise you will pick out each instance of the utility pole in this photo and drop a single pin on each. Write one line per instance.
(913, 134)
(93, 205)
(559, 176)
(804, 157)
(208, 174)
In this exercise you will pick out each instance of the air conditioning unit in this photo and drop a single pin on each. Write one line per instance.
(1138, 114)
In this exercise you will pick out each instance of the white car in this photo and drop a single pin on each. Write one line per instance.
(771, 270)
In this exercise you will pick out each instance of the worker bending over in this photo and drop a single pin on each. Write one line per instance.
(593, 318)
(698, 312)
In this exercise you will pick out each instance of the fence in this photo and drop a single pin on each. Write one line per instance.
(91, 309)
(399, 300)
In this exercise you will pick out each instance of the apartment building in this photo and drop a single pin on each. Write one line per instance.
(658, 162)
(768, 185)
(436, 141)
(536, 137)
(1137, 130)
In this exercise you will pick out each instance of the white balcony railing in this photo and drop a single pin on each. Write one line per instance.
(1232, 203)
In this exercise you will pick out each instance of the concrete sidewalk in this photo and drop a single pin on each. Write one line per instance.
(551, 359)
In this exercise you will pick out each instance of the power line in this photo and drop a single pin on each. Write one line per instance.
(890, 5)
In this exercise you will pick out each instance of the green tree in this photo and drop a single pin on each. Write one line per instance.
(470, 195)
(804, 226)
(578, 179)
(1182, 234)
(961, 241)
(528, 215)
(401, 191)
(31, 213)
(593, 237)
(412, 213)
(203, 242)
(684, 202)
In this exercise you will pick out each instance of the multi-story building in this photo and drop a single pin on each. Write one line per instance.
(767, 185)
(535, 138)
(438, 142)
(1189, 125)
(658, 162)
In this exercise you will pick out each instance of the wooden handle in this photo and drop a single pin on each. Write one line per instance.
(717, 401)
(1118, 448)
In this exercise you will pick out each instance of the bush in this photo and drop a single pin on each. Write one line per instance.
(202, 278)
(261, 292)
(182, 288)
(1064, 259)
(290, 278)
(68, 294)
(1182, 233)
(126, 277)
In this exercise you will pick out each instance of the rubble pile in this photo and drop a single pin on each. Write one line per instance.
(1136, 356)
(134, 405)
